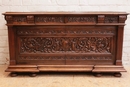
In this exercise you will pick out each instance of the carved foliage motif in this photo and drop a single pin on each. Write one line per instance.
(20, 19)
(47, 19)
(65, 19)
(111, 19)
(9, 19)
(65, 58)
(81, 19)
(65, 44)
(54, 31)
(16, 19)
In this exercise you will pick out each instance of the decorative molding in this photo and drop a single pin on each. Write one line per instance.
(62, 31)
(9, 19)
(88, 58)
(49, 19)
(101, 18)
(65, 45)
(30, 19)
(63, 19)
(122, 18)
(65, 58)
(81, 19)
(19, 19)
(111, 19)
(16, 19)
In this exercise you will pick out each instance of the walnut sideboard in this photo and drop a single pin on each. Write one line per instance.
(65, 42)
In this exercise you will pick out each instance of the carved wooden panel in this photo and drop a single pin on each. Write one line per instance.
(16, 19)
(111, 19)
(69, 30)
(49, 19)
(65, 57)
(81, 19)
(64, 31)
(65, 44)
(77, 41)
(63, 19)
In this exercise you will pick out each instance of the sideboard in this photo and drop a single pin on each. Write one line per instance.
(65, 42)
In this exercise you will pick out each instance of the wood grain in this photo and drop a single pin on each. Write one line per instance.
(65, 41)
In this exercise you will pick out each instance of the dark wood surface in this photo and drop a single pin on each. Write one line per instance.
(65, 41)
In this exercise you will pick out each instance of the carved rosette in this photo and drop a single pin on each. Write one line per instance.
(65, 45)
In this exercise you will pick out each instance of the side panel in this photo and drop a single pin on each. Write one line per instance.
(12, 44)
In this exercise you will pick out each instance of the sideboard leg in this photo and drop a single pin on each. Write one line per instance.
(13, 74)
(33, 74)
(97, 74)
(117, 74)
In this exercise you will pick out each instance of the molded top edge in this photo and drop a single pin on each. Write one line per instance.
(67, 13)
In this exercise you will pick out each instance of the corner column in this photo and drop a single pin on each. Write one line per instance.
(120, 34)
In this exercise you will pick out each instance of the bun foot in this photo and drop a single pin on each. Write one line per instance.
(97, 74)
(14, 74)
(33, 75)
(118, 74)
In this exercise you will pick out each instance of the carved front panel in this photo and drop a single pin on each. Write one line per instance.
(65, 45)
(49, 44)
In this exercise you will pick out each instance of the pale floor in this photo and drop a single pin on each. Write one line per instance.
(64, 80)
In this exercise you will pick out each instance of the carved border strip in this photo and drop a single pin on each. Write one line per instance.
(65, 58)
(81, 19)
(33, 19)
(53, 31)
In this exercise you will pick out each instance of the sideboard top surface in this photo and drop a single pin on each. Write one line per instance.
(67, 13)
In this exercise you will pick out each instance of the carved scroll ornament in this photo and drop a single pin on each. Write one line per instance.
(65, 44)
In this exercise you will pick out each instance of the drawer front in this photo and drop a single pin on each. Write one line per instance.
(66, 44)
